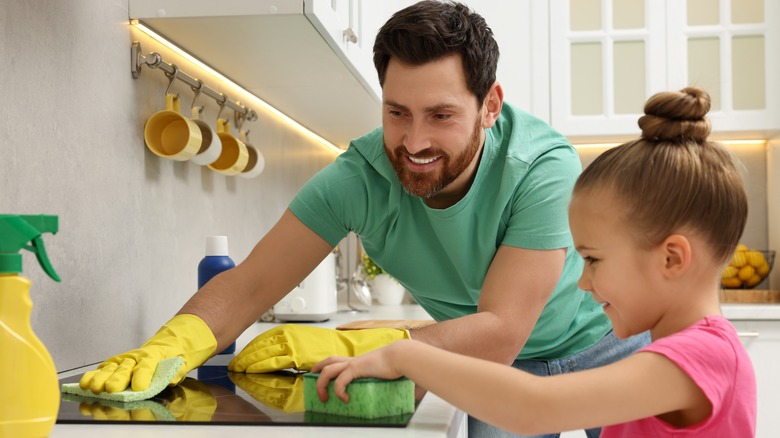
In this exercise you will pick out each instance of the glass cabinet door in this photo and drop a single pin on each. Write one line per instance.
(608, 56)
(730, 48)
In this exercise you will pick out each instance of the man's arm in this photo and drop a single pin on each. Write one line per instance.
(218, 313)
(236, 298)
(517, 286)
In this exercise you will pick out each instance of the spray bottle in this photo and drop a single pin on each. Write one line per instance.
(29, 391)
(216, 261)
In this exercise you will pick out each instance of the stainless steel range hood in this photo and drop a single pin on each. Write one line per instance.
(280, 51)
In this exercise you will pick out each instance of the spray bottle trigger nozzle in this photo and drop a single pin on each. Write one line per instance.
(43, 258)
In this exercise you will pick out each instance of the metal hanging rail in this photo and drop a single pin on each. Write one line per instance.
(154, 60)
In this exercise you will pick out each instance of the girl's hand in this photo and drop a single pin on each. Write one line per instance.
(343, 370)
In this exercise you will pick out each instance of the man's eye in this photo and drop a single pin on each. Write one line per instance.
(441, 116)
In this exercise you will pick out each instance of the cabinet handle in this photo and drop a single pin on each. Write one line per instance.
(748, 334)
(350, 35)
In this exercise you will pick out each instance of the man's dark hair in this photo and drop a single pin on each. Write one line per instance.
(431, 30)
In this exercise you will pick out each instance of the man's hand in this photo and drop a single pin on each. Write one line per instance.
(184, 335)
(281, 392)
(300, 347)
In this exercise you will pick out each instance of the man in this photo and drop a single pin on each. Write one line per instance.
(459, 196)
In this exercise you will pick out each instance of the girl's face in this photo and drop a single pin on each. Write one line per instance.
(620, 275)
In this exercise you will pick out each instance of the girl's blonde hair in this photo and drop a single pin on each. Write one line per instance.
(673, 178)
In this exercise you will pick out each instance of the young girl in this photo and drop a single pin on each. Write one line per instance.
(656, 220)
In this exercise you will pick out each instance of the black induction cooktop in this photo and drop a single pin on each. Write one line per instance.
(212, 395)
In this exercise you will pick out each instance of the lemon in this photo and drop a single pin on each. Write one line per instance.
(731, 282)
(746, 272)
(739, 259)
(762, 269)
(729, 272)
(741, 247)
(755, 258)
(754, 280)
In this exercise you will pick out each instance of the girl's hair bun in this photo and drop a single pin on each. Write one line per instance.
(677, 116)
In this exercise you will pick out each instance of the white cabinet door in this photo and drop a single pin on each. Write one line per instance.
(762, 340)
(730, 48)
(341, 24)
(608, 56)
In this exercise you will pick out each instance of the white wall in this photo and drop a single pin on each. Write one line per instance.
(132, 225)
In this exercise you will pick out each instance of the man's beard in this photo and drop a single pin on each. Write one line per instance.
(429, 184)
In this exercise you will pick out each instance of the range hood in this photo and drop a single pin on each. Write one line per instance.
(283, 52)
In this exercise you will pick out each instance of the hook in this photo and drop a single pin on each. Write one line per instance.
(171, 79)
(197, 93)
(221, 104)
(239, 119)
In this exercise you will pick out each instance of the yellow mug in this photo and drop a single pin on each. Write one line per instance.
(169, 134)
(234, 156)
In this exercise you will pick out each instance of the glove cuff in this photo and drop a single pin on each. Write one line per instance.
(196, 341)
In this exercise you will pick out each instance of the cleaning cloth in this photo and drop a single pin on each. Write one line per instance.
(121, 411)
(165, 371)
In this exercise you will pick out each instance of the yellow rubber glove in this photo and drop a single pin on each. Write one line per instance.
(281, 392)
(191, 401)
(184, 335)
(300, 347)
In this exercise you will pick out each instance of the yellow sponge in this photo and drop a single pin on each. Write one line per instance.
(368, 398)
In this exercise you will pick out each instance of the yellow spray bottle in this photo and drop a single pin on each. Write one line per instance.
(29, 392)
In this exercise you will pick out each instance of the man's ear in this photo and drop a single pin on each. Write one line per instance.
(492, 105)
(677, 253)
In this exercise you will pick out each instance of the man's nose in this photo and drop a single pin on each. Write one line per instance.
(417, 138)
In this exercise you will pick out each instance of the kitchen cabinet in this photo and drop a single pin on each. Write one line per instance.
(762, 340)
(608, 56)
(759, 329)
(310, 59)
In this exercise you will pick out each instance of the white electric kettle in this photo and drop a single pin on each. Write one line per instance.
(315, 299)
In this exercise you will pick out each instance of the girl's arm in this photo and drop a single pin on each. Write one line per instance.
(643, 385)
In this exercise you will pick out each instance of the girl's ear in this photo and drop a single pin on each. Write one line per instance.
(677, 252)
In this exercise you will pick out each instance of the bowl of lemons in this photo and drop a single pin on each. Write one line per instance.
(747, 268)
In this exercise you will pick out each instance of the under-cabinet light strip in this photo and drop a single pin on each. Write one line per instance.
(285, 118)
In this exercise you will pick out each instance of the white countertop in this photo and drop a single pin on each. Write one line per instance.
(434, 417)
(751, 311)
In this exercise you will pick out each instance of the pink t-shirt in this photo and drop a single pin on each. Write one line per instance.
(713, 356)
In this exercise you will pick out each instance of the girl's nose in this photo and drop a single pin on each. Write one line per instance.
(584, 282)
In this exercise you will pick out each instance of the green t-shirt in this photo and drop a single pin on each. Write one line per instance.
(519, 198)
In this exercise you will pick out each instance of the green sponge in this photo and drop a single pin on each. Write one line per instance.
(165, 371)
(368, 398)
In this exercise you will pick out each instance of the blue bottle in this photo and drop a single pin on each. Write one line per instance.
(216, 261)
